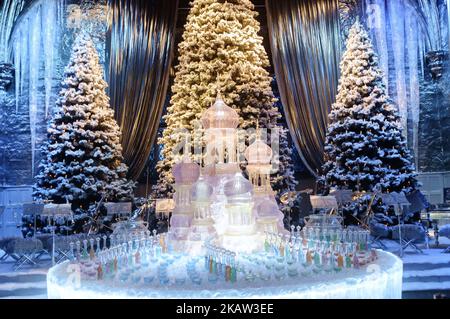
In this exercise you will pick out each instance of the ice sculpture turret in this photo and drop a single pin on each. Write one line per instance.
(202, 223)
(239, 193)
(240, 225)
(220, 123)
(185, 173)
(259, 156)
(269, 218)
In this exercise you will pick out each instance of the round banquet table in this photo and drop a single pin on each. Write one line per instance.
(381, 279)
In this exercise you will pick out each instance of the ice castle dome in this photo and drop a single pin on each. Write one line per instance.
(237, 186)
(201, 191)
(220, 115)
(186, 172)
(267, 208)
(259, 153)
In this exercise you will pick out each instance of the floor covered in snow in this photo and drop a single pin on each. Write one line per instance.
(25, 283)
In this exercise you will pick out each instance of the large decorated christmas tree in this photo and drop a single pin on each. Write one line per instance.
(82, 158)
(221, 50)
(365, 148)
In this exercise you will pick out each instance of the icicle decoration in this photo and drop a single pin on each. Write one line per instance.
(17, 53)
(376, 21)
(49, 40)
(448, 22)
(23, 54)
(397, 20)
(33, 45)
(412, 45)
(61, 4)
(422, 57)
(35, 48)
(404, 32)
(430, 11)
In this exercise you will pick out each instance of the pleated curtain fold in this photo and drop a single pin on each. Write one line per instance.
(306, 49)
(141, 45)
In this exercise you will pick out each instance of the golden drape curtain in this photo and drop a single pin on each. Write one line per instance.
(142, 36)
(306, 49)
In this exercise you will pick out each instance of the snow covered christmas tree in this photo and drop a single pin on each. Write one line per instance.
(221, 49)
(82, 159)
(365, 148)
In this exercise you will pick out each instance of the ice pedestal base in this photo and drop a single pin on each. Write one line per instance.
(379, 280)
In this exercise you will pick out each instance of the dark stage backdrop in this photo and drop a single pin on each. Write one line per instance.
(141, 34)
(306, 49)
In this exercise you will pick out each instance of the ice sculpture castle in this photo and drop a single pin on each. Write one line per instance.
(215, 201)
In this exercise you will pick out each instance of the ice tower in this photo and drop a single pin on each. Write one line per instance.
(259, 157)
(185, 173)
(220, 123)
(202, 224)
(268, 216)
